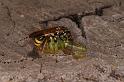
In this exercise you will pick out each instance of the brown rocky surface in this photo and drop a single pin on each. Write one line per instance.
(102, 21)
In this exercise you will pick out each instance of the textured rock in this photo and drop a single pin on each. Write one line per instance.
(103, 31)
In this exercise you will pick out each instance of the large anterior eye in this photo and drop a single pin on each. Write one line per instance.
(39, 39)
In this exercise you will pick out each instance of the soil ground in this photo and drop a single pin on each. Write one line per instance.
(100, 21)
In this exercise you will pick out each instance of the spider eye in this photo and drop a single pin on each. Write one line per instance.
(39, 39)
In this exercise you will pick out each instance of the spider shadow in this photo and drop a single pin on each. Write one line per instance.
(34, 54)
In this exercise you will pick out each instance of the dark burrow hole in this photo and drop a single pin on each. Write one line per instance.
(77, 18)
